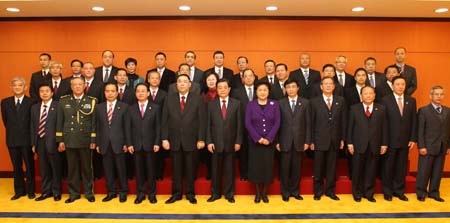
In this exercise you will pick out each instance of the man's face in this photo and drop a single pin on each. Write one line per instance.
(328, 72)
(361, 77)
(160, 61)
(305, 60)
(218, 60)
(368, 95)
(370, 66)
(327, 86)
(121, 77)
(249, 78)
(107, 58)
(77, 86)
(111, 92)
(55, 70)
(142, 93)
(45, 93)
(341, 62)
(44, 61)
(400, 55)
(88, 70)
(131, 68)
(18, 88)
(154, 80)
(76, 67)
(437, 96)
(292, 89)
(281, 73)
(190, 59)
(183, 84)
(223, 90)
(269, 67)
(391, 73)
(242, 64)
(184, 70)
(399, 86)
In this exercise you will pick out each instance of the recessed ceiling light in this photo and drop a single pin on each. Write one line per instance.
(358, 9)
(441, 10)
(271, 8)
(184, 8)
(12, 9)
(98, 9)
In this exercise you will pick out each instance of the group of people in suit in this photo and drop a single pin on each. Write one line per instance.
(109, 120)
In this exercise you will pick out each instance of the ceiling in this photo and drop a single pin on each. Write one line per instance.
(302, 8)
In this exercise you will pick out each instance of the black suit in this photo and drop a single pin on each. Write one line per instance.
(409, 73)
(382, 90)
(352, 96)
(226, 73)
(37, 78)
(129, 96)
(50, 165)
(305, 89)
(162, 155)
(402, 130)
(224, 134)
(434, 136)
(168, 77)
(145, 133)
(237, 82)
(367, 135)
(111, 138)
(183, 129)
(276, 92)
(63, 89)
(379, 79)
(17, 126)
(328, 129)
(96, 89)
(99, 74)
(349, 81)
(198, 76)
(294, 133)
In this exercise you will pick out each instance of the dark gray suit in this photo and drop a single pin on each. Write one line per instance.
(409, 73)
(305, 89)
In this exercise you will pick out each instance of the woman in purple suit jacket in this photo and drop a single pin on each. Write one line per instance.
(262, 120)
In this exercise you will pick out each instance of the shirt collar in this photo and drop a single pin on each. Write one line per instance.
(145, 104)
(435, 105)
(226, 100)
(399, 96)
(113, 103)
(325, 98)
(370, 107)
(47, 104)
(295, 99)
(82, 95)
(20, 99)
(185, 95)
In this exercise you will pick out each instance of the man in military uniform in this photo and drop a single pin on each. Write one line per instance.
(75, 133)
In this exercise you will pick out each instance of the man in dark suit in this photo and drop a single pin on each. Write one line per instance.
(294, 137)
(406, 71)
(183, 132)
(276, 91)
(385, 88)
(113, 139)
(345, 79)
(353, 95)
(281, 72)
(43, 142)
(16, 119)
(40, 77)
(106, 72)
(238, 80)
(305, 76)
(126, 93)
(167, 76)
(75, 65)
(59, 86)
(224, 138)
(195, 74)
(328, 125)
(328, 70)
(184, 69)
(402, 122)
(245, 94)
(145, 141)
(374, 78)
(367, 138)
(218, 68)
(434, 143)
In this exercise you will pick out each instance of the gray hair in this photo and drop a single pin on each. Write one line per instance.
(14, 79)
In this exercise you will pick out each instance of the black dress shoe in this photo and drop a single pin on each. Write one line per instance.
(285, 199)
(265, 199)
(371, 199)
(43, 197)
(91, 199)
(438, 199)
(17, 196)
(152, 200)
(388, 197)
(231, 199)
(401, 197)
(31, 196)
(357, 199)
(298, 197)
(333, 196)
(122, 198)
(57, 197)
(172, 200)
(257, 198)
(72, 199)
(139, 199)
(316, 197)
(420, 198)
(192, 200)
(213, 198)
(109, 197)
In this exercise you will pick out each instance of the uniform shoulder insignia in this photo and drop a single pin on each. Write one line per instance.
(92, 98)
(65, 96)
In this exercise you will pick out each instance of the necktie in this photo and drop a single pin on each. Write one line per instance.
(400, 105)
(271, 80)
(153, 95)
(293, 106)
(402, 68)
(18, 104)
(439, 109)
(306, 75)
(110, 113)
(86, 90)
(367, 112)
(224, 109)
(182, 103)
(42, 121)
(372, 81)
(329, 103)
(341, 80)
(250, 94)
(219, 72)
(55, 87)
(121, 94)
(44, 74)
(106, 77)
(142, 110)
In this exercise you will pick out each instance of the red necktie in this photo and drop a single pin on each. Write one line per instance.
(86, 90)
(121, 94)
(224, 109)
(367, 112)
(55, 87)
(182, 103)
(153, 95)
(142, 110)
(329, 103)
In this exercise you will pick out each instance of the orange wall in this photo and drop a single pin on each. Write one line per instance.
(282, 40)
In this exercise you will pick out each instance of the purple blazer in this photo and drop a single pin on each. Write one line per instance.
(262, 123)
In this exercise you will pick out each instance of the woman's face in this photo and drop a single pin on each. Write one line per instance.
(211, 81)
(262, 92)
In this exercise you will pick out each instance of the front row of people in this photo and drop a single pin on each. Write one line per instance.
(183, 125)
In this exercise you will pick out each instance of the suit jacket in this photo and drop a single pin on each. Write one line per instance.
(96, 89)
(276, 93)
(129, 96)
(382, 90)
(168, 77)
(145, 132)
(262, 123)
(195, 88)
(236, 81)
(224, 134)
(305, 89)
(295, 126)
(117, 133)
(328, 127)
(159, 99)
(17, 122)
(433, 129)
(227, 73)
(379, 79)
(409, 73)
(316, 91)
(50, 126)
(352, 96)
(99, 74)
(198, 75)
(349, 80)
(402, 128)
(364, 132)
(63, 89)
(184, 129)
(36, 80)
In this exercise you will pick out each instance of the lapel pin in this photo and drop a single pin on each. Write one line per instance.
(376, 109)
(406, 102)
(299, 104)
(118, 108)
(271, 103)
(337, 103)
(149, 107)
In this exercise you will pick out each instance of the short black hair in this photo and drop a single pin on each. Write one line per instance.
(223, 80)
(398, 77)
(183, 64)
(161, 53)
(290, 81)
(259, 83)
(323, 79)
(281, 64)
(142, 84)
(270, 61)
(360, 69)
(120, 69)
(391, 67)
(45, 85)
(190, 51)
(130, 60)
(218, 52)
(328, 65)
(111, 83)
(46, 54)
(184, 75)
(370, 58)
(76, 60)
(367, 86)
(104, 51)
(400, 47)
(240, 57)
